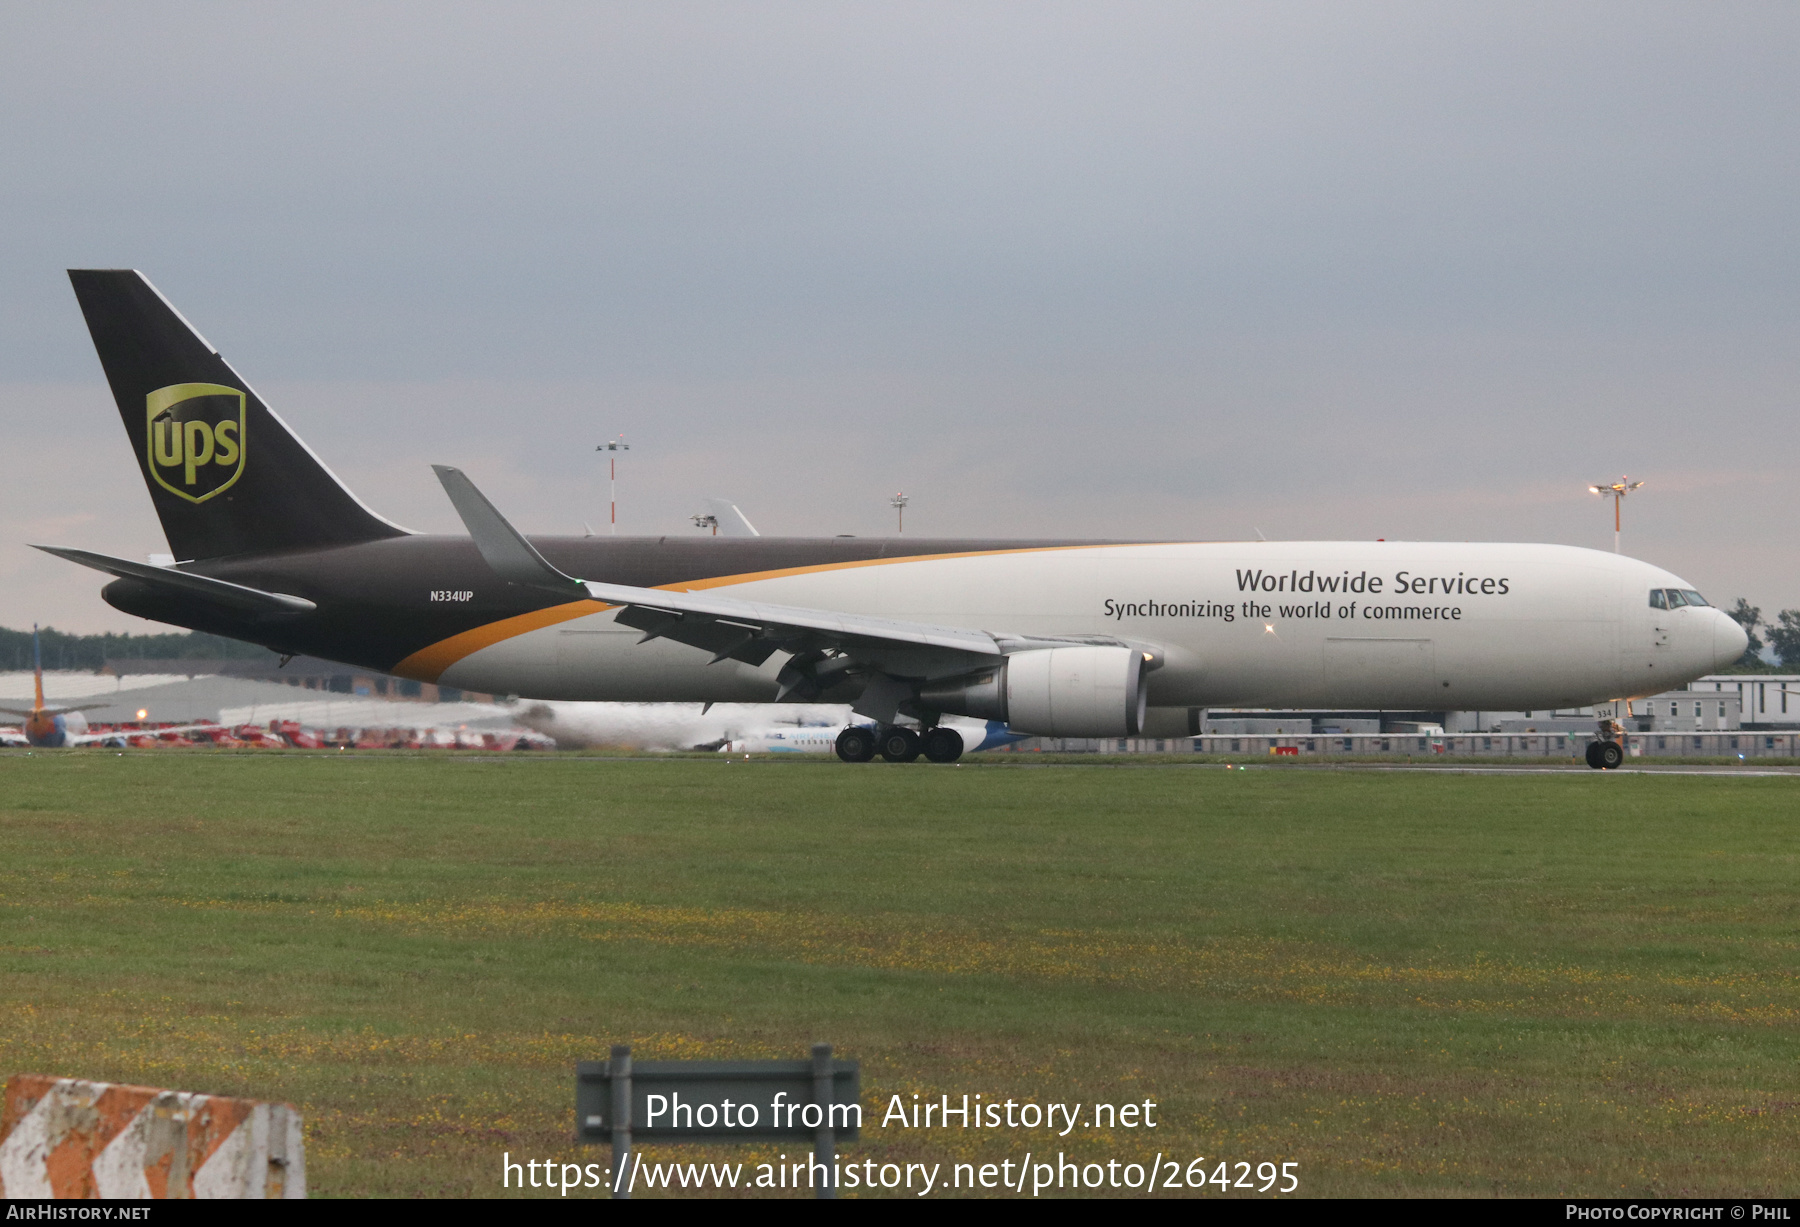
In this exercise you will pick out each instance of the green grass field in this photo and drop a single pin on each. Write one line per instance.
(1409, 984)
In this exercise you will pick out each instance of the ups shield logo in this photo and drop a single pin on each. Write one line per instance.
(194, 439)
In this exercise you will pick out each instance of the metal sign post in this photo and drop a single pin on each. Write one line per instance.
(619, 1069)
(824, 1135)
(817, 1100)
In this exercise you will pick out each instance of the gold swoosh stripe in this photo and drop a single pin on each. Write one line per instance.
(428, 663)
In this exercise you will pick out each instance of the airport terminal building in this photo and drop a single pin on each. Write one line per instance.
(315, 693)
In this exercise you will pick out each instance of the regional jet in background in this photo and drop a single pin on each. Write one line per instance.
(975, 735)
(736, 727)
(1060, 638)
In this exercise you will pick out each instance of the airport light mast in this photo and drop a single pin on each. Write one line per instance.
(614, 446)
(1618, 489)
(898, 503)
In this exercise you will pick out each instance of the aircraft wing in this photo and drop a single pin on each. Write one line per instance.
(659, 611)
(826, 645)
(235, 595)
(57, 711)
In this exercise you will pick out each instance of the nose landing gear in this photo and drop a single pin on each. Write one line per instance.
(1607, 753)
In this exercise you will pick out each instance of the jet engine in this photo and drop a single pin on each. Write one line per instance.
(1077, 691)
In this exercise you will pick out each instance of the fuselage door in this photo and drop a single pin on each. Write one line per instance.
(1659, 618)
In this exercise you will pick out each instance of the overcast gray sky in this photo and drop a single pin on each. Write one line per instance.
(1322, 269)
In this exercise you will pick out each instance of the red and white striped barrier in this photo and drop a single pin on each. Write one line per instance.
(63, 1137)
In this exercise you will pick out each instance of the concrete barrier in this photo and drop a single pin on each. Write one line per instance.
(64, 1137)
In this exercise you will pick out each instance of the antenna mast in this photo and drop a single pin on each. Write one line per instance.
(1618, 489)
(614, 447)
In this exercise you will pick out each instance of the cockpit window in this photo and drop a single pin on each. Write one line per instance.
(1675, 598)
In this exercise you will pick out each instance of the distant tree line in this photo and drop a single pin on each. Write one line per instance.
(89, 652)
(1781, 635)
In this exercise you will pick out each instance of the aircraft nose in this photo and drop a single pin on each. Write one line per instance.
(1729, 640)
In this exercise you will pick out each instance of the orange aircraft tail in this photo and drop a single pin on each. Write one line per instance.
(37, 661)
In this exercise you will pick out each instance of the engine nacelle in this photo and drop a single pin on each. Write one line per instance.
(1077, 691)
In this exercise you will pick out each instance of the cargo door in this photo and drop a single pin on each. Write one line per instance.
(1382, 673)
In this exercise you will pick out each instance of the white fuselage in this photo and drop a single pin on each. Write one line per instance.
(1394, 625)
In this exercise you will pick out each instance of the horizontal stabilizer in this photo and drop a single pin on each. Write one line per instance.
(218, 591)
(56, 711)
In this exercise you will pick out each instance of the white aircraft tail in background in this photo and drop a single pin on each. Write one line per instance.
(727, 520)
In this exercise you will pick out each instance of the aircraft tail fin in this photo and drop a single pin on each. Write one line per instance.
(225, 473)
(37, 665)
(731, 521)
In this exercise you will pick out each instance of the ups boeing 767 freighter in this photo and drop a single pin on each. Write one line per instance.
(1059, 638)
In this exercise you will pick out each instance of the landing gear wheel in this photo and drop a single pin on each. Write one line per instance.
(943, 745)
(856, 745)
(899, 745)
(1611, 754)
(1593, 755)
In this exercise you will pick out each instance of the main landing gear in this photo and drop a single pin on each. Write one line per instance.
(898, 744)
(943, 745)
(856, 745)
